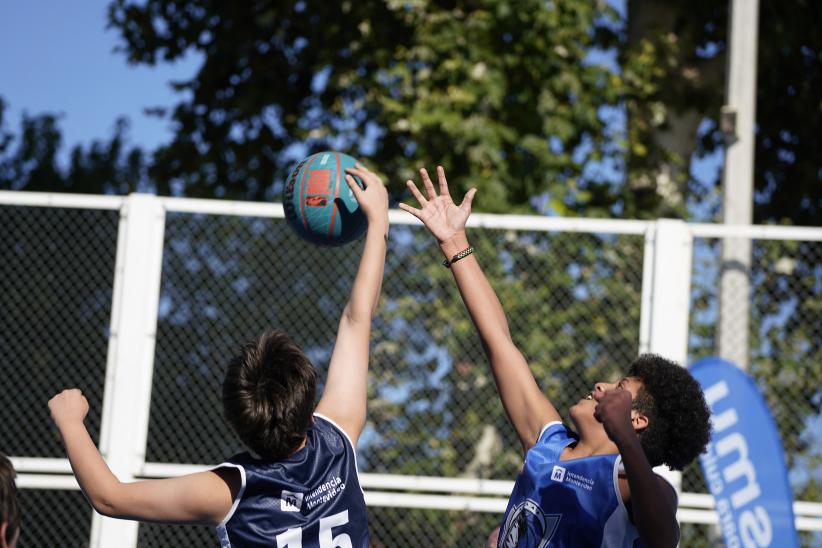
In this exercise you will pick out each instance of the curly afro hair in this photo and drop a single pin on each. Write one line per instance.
(679, 425)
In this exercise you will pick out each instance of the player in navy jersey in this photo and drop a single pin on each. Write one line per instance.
(297, 486)
(594, 486)
(9, 506)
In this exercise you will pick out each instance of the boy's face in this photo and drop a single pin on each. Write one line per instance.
(582, 413)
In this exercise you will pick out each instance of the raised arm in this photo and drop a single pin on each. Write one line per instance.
(652, 500)
(527, 407)
(343, 399)
(202, 498)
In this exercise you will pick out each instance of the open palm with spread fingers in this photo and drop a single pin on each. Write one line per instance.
(439, 213)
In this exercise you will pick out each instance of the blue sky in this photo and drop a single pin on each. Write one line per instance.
(59, 57)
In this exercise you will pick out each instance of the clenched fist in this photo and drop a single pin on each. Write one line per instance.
(68, 406)
(614, 412)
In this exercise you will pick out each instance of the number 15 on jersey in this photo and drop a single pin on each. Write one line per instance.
(293, 538)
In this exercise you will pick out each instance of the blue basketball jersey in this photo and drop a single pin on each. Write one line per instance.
(570, 503)
(310, 499)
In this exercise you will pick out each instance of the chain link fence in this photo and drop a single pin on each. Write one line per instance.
(784, 348)
(573, 301)
(433, 408)
(54, 518)
(56, 276)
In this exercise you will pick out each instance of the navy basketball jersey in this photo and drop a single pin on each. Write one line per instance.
(570, 503)
(310, 499)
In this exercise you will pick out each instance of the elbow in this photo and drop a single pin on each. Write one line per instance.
(356, 315)
(105, 504)
(104, 507)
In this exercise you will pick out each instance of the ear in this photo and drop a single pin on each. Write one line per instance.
(638, 421)
(3, 529)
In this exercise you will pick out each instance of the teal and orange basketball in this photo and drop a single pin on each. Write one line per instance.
(318, 204)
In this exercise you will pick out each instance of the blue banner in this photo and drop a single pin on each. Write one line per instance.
(744, 465)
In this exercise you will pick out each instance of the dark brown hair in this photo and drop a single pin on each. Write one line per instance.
(9, 508)
(679, 422)
(268, 395)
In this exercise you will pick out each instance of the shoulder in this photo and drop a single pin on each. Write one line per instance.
(233, 473)
(326, 426)
(552, 428)
(555, 433)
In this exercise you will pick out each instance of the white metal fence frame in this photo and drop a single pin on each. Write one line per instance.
(663, 329)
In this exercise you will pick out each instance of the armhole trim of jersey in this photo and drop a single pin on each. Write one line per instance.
(350, 443)
(239, 494)
(669, 483)
(663, 477)
(546, 427)
(617, 467)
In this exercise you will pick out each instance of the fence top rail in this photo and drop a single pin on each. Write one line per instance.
(398, 217)
(224, 207)
(43, 468)
(485, 220)
(60, 199)
(757, 232)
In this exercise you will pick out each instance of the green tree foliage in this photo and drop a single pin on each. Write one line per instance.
(673, 64)
(788, 166)
(503, 93)
(673, 60)
(29, 160)
(498, 91)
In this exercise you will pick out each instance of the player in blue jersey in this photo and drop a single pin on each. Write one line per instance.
(593, 486)
(297, 486)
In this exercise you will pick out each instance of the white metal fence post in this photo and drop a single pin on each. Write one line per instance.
(129, 368)
(666, 287)
(667, 327)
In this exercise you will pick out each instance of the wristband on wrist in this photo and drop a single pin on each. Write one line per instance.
(461, 255)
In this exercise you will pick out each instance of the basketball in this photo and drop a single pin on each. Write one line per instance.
(318, 204)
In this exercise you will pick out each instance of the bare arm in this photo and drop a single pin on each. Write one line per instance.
(344, 397)
(202, 498)
(527, 407)
(653, 500)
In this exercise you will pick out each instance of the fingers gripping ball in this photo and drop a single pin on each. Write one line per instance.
(318, 204)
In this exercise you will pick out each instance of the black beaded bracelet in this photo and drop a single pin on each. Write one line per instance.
(461, 255)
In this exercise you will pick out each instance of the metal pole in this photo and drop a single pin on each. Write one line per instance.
(737, 123)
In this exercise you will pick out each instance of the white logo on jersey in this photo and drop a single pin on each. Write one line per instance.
(291, 502)
(558, 474)
(528, 525)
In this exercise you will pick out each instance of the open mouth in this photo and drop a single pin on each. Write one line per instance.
(590, 396)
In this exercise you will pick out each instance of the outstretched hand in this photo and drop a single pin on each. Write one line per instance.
(440, 215)
(373, 199)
